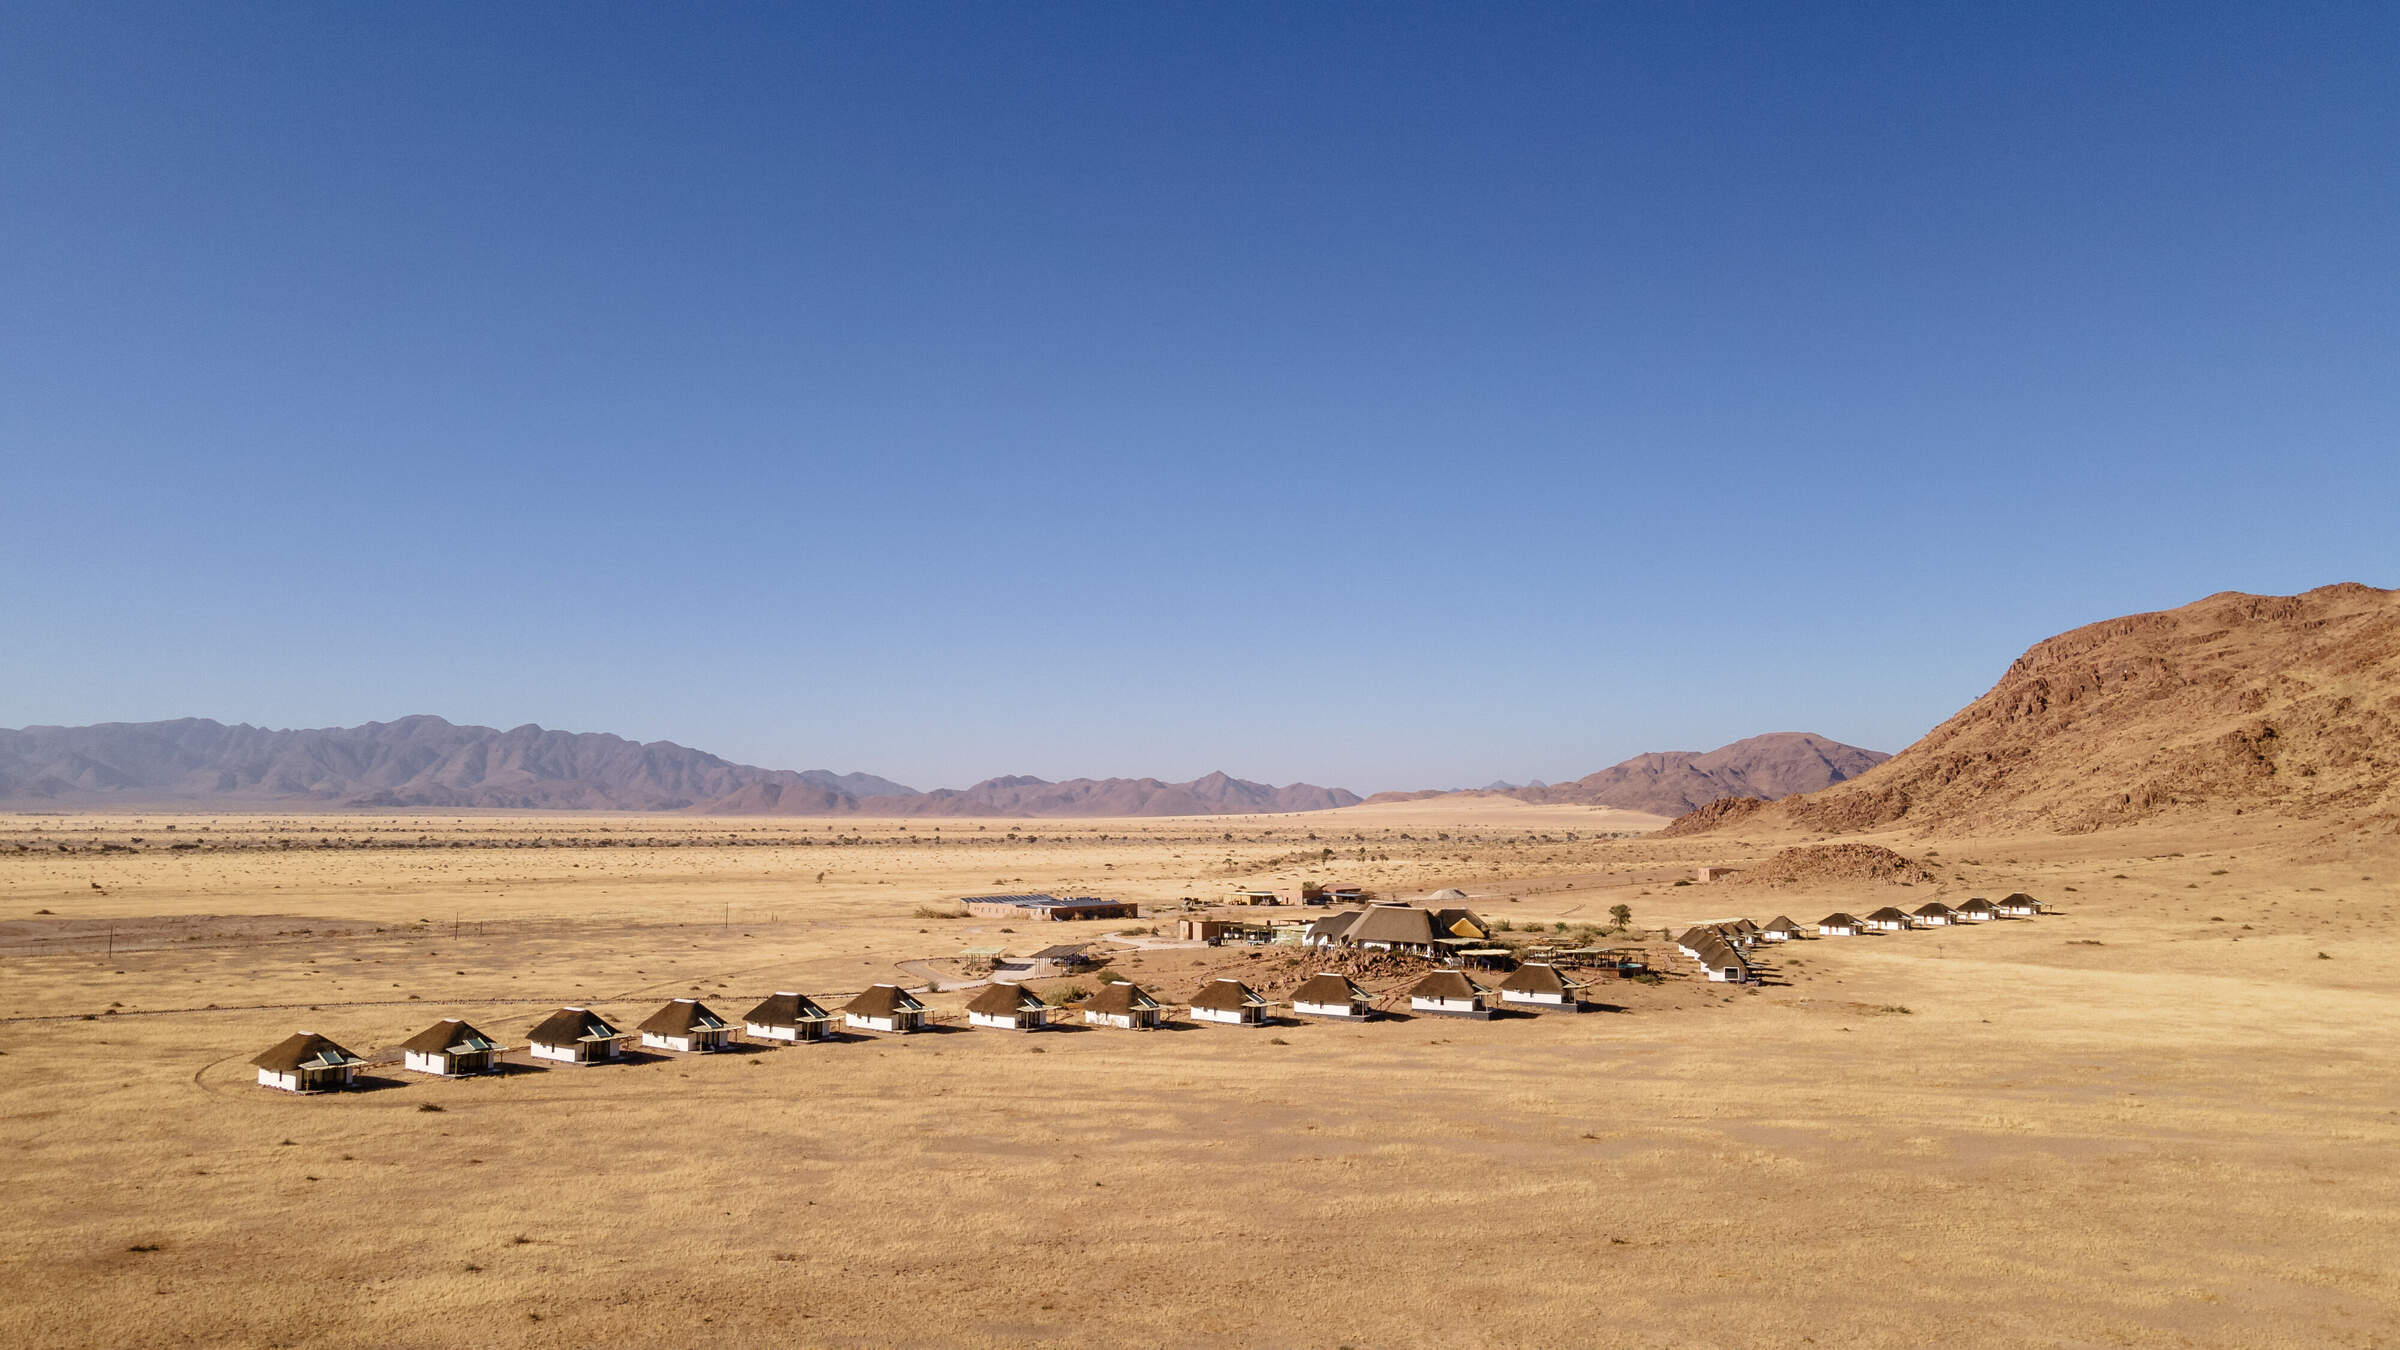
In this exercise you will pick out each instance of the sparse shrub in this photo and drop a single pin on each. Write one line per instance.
(940, 912)
(1277, 1040)
(429, 1106)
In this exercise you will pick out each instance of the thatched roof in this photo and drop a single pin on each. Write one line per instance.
(1838, 921)
(1227, 995)
(1886, 915)
(1780, 924)
(682, 1017)
(1332, 927)
(1450, 893)
(1978, 905)
(883, 1001)
(305, 1050)
(1535, 978)
(1932, 909)
(1004, 1000)
(787, 1010)
(568, 1026)
(1397, 924)
(1450, 985)
(449, 1036)
(1328, 987)
(1120, 999)
(1448, 920)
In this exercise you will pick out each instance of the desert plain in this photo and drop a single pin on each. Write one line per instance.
(2165, 1114)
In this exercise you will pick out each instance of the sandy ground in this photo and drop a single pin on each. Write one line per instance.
(2166, 1115)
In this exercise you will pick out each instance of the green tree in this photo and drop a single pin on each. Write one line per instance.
(1621, 916)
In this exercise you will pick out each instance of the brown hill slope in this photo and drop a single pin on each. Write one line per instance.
(1671, 782)
(2236, 703)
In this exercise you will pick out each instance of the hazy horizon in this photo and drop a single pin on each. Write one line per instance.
(1386, 397)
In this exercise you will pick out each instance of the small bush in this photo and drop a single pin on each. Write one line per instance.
(940, 912)
(429, 1106)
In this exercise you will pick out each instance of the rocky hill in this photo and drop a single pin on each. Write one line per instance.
(426, 762)
(1672, 782)
(2237, 703)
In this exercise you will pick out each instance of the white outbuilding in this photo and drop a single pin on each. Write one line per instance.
(886, 1008)
(1448, 993)
(1008, 1007)
(1123, 1005)
(1534, 985)
(450, 1049)
(575, 1036)
(1331, 995)
(787, 1017)
(687, 1027)
(307, 1062)
(1231, 1002)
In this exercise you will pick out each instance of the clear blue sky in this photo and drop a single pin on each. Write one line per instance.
(1379, 395)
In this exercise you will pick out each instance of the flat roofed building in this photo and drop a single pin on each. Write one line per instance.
(1124, 1005)
(787, 1016)
(1043, 908)
(1541, 986)
(1231, 1002)
(886, 1008)
(307, 1062)
(1448, 993)
(687, 1027)
(1008, 1007)
(575, 1036)
(450, 1049)
(1330, 995)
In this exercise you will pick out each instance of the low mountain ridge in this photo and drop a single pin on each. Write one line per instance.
(425, 761)
(1672, 782)
(2283, 704)
(420, 761)
(1216, 794)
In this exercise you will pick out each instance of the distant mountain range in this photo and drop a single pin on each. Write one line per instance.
(428, 762)
(1671, 782)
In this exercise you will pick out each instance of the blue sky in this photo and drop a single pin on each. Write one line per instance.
(1379, 395)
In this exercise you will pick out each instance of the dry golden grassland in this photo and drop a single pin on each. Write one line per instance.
(2156, 1117)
